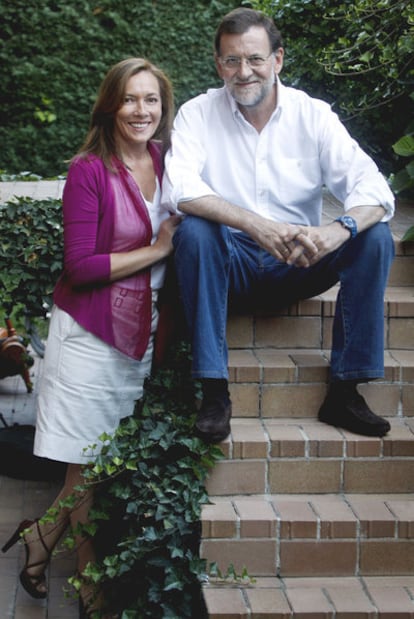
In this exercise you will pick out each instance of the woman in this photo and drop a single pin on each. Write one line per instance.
(100, 343)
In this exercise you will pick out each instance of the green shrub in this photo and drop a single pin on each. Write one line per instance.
(31, 254)
(404, 180)
(54, 54)
(357, 56)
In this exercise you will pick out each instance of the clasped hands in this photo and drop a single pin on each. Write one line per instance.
(301, 246)
(298, 248)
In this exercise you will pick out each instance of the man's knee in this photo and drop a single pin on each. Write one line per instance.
(379, 236)
(375, 244)
(196, 232)
(371, 253)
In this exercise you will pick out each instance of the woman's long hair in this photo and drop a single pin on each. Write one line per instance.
(100, 139)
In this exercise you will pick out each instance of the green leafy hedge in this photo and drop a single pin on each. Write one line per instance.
(31, 254)
(54, 54)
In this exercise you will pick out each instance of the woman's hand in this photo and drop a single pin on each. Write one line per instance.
(166, 233)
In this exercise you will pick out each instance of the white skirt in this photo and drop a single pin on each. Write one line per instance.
(86, 388)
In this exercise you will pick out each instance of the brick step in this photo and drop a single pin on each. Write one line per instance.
(272, 382)
(308, 324)
(368, 597)
(402, 268)
(311, 535)
(301, 456)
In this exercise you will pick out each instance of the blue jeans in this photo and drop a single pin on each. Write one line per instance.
(219, 270)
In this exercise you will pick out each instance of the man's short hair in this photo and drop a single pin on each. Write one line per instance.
(240, 20)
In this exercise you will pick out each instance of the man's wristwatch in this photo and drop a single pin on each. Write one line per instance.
(349, 223)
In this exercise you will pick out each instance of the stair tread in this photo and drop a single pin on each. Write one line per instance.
(388, 597)
(301, 364)
(310, 535)
(307, 324)
(278, 383)
(393, 295)
(310, 516)
(305, 456)
(253, 438)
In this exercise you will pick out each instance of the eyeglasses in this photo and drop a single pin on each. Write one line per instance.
(234, 62)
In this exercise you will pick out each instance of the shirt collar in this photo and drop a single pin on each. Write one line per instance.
(281, 94)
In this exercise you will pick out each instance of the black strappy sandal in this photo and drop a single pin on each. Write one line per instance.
(30, 582)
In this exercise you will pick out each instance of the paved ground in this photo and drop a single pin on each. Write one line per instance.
(21, 499)
(24, 499)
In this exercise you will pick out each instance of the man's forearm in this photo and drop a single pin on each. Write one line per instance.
(219, 210)
(275, 237)
(366, 216)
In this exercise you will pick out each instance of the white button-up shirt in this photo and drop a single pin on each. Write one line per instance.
(278, 173)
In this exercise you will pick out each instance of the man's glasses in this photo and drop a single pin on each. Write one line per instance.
(234, 62)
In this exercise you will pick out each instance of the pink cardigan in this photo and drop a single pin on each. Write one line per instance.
(83, 290)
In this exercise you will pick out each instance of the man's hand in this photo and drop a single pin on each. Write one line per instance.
(325, 239)
(286, 242)
(300, 246)
(328, 238)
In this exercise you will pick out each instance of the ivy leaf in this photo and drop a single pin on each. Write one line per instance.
(401, 181)
(150, 534)
(172, 582)
(366, 57)
(167, 524)
(177, 553)
(405, 146)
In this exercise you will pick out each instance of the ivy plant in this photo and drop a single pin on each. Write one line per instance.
(31, 254)
(149, 486)
(48, 92)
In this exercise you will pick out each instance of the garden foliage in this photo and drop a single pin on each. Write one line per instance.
(54, 54)
(31, 254)
(150, 477)
(358, 56)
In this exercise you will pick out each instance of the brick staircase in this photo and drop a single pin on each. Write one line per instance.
(322, 518)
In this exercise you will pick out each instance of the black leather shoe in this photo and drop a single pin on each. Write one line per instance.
(345, 408)
(213, 420)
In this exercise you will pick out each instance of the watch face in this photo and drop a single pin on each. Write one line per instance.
(349, 223)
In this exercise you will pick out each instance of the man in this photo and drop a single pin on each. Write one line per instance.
(247, 167)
